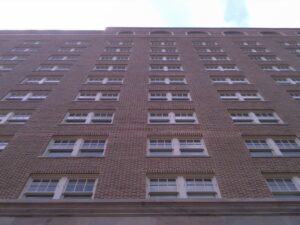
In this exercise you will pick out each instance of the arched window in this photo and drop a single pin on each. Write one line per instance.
(160, 32)
(126, 32)
(269, 33)
(232, 32)
(197, 33)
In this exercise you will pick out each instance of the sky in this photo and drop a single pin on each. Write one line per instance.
(99, 14)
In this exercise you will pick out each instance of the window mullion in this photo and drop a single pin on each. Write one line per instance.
(180, 183)
(27, 96)
(275, 150)
(254, 117)
(172, 117)
(89, 117)
(169, 96)
(60, 188)
(176, 146)
(98, 96)
(76, 147)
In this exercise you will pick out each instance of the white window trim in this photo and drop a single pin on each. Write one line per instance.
(172, 118)
(294, 179)
(276, 152)
(175, 144)
(169, 96)
(229, 80)
(6, 118)
(168, 80)
(53, 68)
(89, 117)
(26, 97)
(181, 189)
(289, 81)
(166, 68)
(43, 80)
(221, 68)
(239, 97)
(76, 147)
(105, 80)
(99, 96)
(110, 68)
(60, 188)
(255, 119)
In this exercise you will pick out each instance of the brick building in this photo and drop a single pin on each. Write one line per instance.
(150, 126)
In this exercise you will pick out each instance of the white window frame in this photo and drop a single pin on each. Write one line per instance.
(27, 96)
(24, 49)
(12, 57)
(171, 118)
(69, 49)
(118, 49)
(168, 58)
(180, 190)
(114, 58)
(175, 148)
(285, 194)
(76, 149)
(5, 68)
(169, 96)
(276, 68)
(105, 80)
(287, 80)
(42, 80)
(229, 80)
(63, 57)
(221, 68)
(60, 188)
(3, 143)
(89, 118)
(205, 43)
(98, 96)
(165, 68)
(265, 58)
(239, 96)
(167, 80)
(10, 117)
(110, 67)
(163, 43)
(53, 68)
(214, 58)
(209, 50)
(252, 118)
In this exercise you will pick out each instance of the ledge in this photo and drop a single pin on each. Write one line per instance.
(78, 208)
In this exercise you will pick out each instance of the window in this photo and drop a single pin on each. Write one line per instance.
(67, 49)
(4, 68)
(221, 68)
(183, 117)
(98, 96)
(164, 50)
(182, 187)
(59, 187)
(104, 80)
(205, 43)
(294, 50)
(163, 43)
(276, 68)
(41, 80)
(25, 96)
(66, 147)
(102, 117)
(166, 68)
(3, 143)
(197, 33)
(165, 57)
(32, 42)
(214, 58)
(24, 49)
(114, 58)
(209, 50)
(161, 32)
(63, 57)
(14, 117)
(258, 147)
(255, 50)
(116, 67)
(229, 80)
(262, 117)
(78, 43)
(268, 33)
(290, 43)
(284, 188)
(126, 32)
(176, 147)
(287, 80)
(13, 57)
(295, 95)
(167, 80)
(53, 68)
(248, 43)
(169, 96)
(233, 33)
(121, 43)
(240, 96)
(265, 58)
(117, 49)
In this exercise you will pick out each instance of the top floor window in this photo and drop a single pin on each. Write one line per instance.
(197, 33)
(233, 33)
(161, 32)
